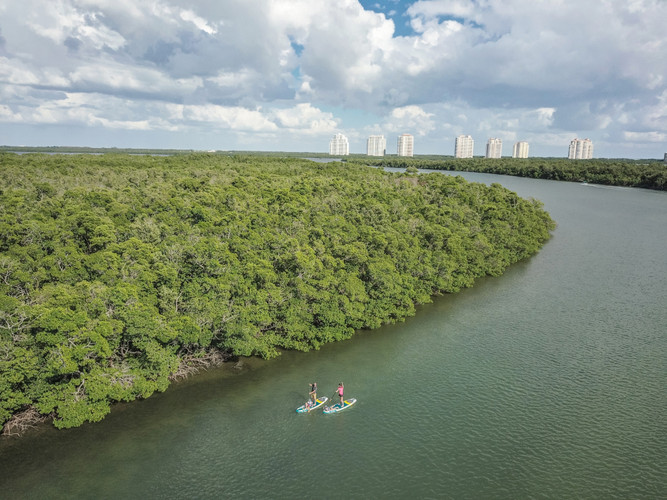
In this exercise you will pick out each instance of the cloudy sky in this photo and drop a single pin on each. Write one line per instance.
(285, 75)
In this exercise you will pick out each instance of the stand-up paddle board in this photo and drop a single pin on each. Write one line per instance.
(337, 407)
(305, 408)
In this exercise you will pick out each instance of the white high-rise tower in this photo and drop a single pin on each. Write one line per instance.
(580, 149)
(376, 145)
(338, 145)
(494, 148)
(464, 146)
(405, 145)
(520, 150)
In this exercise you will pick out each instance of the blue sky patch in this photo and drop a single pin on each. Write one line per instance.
(394, 10)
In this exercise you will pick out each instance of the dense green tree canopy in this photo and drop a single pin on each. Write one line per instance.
(116, 269)
(650, 174)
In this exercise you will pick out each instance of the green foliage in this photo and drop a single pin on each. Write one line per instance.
(115, 268)
(650, 174)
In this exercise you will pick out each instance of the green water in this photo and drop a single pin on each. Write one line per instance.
(547, 382)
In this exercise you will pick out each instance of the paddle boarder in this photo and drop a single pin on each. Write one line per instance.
(340, 393)
(313, 392)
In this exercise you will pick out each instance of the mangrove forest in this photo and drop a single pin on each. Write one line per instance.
(120, 273)
(648, 174)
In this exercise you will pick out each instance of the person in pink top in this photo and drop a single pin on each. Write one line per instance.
(340, 393)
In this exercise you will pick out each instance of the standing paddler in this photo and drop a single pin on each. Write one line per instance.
(313, 392)
(340, 393)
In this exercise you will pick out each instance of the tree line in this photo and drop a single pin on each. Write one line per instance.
(649, 174)
(118, 271)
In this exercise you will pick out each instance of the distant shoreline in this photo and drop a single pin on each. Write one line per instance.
(288, 154)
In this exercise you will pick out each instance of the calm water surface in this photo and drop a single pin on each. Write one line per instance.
(547, 382)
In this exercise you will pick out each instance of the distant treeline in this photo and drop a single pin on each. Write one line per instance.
(119, 272)
(89, 150)
(645, 173)
(650, 174)
(157, 152)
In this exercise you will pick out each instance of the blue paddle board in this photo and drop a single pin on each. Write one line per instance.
(305, 408)
(337, 407)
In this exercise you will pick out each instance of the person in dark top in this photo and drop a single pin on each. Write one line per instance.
(313, 392)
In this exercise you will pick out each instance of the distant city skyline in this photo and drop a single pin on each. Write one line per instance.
(463, 147)
(272, 76)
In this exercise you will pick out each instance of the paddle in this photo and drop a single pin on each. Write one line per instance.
(331, 399)
(340, 402)
(312, 399)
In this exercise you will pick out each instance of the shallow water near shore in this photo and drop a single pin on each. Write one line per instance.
(546, 382)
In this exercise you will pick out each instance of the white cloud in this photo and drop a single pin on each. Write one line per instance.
(16, 72)
(503, 67)
(235, 118)
(306, 118)
(99, 36)
(652, 136)
(200, 23)
(80, 109)
(59, 20)
(410, 119)
(655, 115)
(117, 78)
(435, 8)
(234, 79)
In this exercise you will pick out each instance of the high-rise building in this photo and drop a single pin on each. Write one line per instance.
(494, 148)
(338, 145)
(376, 145)
(520, 150)
(464, 146)
(580, 149)
(405, 145)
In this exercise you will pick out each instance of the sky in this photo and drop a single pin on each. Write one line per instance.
(286, 75)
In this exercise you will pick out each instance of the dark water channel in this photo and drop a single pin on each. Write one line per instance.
(547, 382)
